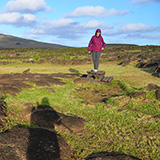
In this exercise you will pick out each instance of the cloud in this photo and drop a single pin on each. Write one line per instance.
(99, 11)
(129, 32)
(94, 24)
(17, 19)
(132, 29)
(137, 27)
(151, 36)
(67, 28)
(26, 6)
(141, 36)
(9, 17)
(62, 28)
(143, 1)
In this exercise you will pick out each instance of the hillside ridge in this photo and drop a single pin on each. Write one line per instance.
(8, 41)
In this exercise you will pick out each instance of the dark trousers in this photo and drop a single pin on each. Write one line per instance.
(95, 57)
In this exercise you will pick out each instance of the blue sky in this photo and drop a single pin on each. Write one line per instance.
(73, 22)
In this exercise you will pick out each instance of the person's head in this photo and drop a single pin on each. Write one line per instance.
(98, 32)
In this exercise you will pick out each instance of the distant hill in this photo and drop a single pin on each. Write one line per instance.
(7, 41)
(121, 45)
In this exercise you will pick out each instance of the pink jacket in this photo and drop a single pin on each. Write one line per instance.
(96, 43)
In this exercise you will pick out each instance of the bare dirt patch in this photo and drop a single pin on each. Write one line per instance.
(97, 95)
(14, 83)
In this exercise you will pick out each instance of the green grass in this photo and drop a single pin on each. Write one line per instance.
(120, 124)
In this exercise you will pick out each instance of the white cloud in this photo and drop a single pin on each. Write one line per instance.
(67, 28)
(152, 36)
(113, 12)
(143, 1)
(132, 33)
(133, 28)
(17, 19)
(62, 22)
(47, 27)
(98, 11)
(26, 6)
(29, 18)
(9, 17)
(70, 29)
(137, 27)
(61, 28)
(142, 36)
(94, 24)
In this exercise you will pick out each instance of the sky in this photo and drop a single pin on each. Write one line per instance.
(74, 22)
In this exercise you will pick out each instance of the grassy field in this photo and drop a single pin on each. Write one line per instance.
(118, 123)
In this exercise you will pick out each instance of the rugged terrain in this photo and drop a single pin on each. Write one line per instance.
(49, 110)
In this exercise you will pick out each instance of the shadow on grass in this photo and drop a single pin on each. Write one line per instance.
(72, 70)
(110, 156)
(42, 144)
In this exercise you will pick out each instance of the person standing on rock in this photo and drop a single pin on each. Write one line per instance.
(96, 46)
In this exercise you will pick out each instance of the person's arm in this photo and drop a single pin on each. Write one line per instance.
(103, 44)
(90, 45)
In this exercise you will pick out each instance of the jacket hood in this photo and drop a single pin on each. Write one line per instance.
(98, 30)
